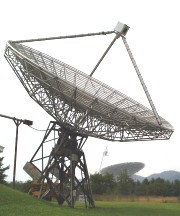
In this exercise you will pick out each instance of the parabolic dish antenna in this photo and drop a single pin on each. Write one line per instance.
(131, 168)
(81, 102)
(82, 106)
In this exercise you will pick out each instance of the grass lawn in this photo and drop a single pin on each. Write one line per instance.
(15, 203)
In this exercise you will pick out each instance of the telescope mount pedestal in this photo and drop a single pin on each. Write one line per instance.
(59, 168)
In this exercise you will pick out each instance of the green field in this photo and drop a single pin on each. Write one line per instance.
(15, 203)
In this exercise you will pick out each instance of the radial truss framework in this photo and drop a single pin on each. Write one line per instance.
(76, 99)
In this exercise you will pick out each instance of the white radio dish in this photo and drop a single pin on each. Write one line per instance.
(82, 106)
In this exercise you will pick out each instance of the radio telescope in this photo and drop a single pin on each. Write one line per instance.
(117, 169)
(82, 106)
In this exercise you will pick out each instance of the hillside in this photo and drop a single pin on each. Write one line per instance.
(13, 202)
(170, 175)
(138, 178)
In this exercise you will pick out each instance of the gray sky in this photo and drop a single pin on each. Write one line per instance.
(154, 40)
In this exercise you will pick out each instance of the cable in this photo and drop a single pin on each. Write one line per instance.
(37, 129)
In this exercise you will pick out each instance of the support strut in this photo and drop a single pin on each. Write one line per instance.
(142, 81)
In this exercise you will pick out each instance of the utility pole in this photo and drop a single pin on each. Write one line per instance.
(17, 123)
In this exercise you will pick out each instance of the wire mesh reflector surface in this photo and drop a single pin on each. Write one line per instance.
(81, 102)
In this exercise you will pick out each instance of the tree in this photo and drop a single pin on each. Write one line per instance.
(145, 187)
(2, 171)
(176, 188)
(102, 184)
(125, 183)
(22, 186)
(160, 187)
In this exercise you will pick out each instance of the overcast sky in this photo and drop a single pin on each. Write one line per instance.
(154, 41)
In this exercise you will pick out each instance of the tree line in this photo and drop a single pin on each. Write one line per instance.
(108, 184)
(125, 185)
